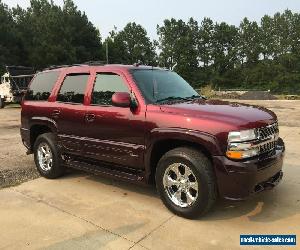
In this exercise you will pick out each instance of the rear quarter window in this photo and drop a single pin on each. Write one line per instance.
(41, 86)
(73, 88)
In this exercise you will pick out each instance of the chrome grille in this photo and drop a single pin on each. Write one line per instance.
(268, 137)
(267, 147)
(268, 132)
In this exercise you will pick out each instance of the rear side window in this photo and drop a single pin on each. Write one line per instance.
(41, 86)
(73, 88)
(106, 85)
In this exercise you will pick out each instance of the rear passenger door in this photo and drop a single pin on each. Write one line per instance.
(70, 112)
(114, 134)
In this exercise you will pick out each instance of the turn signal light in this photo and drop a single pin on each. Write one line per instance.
(235, 154)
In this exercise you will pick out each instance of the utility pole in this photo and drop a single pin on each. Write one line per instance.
(106, 52)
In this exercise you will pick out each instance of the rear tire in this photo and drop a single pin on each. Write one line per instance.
(2, 103)
(186, 182)
(46, 156)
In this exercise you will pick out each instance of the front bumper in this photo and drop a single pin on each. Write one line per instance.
(238, 180)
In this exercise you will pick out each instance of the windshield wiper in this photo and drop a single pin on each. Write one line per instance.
(174, 98)
(170, 98)
(195, 97)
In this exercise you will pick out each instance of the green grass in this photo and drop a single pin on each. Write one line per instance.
(13, 105)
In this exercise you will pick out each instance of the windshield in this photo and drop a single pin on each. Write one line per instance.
(162, 85)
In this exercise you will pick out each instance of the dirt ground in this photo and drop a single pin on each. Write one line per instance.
(84, 211)
(15, 165)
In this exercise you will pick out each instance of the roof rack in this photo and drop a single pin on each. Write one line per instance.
(95, 63)
(89, 63)
(61, 66)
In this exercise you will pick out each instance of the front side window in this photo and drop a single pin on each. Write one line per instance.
(41, 86)
(161, 85)
(106, 84)
(73, 88)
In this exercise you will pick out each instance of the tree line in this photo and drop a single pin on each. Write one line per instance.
(254, 55)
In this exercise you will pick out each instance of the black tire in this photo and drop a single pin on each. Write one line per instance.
(57, 169)
(201, 168)
(2, 103)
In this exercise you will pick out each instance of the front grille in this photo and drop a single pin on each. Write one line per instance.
(267, 147)
(268, 138)
(268, 132)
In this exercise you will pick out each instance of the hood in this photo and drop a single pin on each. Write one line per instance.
(235, 114)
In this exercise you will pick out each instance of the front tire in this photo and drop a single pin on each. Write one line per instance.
(185, 182)
(46, 156)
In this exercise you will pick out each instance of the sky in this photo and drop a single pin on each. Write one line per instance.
(105, 14)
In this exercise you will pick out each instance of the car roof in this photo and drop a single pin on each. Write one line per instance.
(74, 68)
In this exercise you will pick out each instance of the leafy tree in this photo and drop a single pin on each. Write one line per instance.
(267, 34)
(225, 51)
(83, 37)
(260, 55)
(205, 43)
(295, 35)
(249, 42)
(131, 45)
(9, 50)
(53, 35)
(178, 43)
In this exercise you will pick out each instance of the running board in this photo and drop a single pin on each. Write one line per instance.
(116, 172)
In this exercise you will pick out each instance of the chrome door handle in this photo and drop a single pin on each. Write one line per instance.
(55, 113)
(90, 117)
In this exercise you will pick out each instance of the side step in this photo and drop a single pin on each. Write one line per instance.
(116, 172)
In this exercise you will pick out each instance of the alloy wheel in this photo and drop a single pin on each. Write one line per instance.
(181, 185)
(45, 157)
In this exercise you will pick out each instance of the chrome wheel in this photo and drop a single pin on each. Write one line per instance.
(45, 157)
(181, 185)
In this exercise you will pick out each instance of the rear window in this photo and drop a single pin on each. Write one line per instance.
(73, 88)
(41, 86)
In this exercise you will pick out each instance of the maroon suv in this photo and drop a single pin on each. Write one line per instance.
(148, 125)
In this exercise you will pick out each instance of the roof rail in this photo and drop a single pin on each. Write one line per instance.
(61, 66)
(89, 63)
(95, 63)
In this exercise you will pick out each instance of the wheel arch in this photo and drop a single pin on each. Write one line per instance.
(40, 126)
(165, 141)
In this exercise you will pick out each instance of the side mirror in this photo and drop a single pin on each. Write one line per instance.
(121, 99)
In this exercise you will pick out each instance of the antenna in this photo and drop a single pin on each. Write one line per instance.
(137, 64)
(173, 67)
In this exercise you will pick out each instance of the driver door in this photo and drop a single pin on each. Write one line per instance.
(115, 134)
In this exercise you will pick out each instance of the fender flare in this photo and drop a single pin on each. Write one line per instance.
(203, 139)
(44, 121)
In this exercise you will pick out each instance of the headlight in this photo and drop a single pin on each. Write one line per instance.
(240, 144)
(244, 135)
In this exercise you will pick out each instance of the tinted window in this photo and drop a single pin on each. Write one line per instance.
(105, 86)
(73, 88)
(157, 85)
(41, 86)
